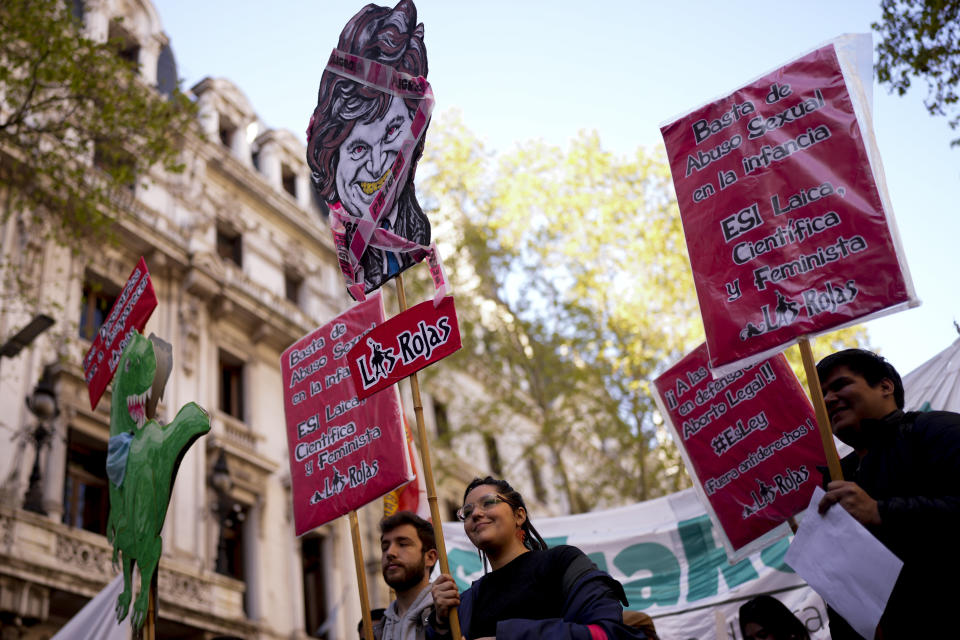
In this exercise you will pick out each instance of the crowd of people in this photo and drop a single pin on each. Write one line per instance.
(900, 482)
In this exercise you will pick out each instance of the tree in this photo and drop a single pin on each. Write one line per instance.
(920, 39)
(573, 289)
(78, 128)
(574, 292)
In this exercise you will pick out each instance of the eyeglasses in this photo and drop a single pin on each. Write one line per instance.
(486, 503)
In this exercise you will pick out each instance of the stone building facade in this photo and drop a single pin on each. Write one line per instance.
(243, 265)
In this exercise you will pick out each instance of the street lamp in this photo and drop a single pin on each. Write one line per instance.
(40, 323)
(42, 403)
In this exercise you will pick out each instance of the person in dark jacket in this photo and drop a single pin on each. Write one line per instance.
(532, 591)
(902, 482)
(766, 618)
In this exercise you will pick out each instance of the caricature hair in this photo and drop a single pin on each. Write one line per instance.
(389, 36)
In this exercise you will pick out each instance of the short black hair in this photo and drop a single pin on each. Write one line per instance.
(428, 539)
(873, 367)
(375, 614)
(773, 616)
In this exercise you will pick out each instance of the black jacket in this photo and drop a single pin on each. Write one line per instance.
(912, 470)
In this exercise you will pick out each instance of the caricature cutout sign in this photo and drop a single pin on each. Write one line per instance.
(344, 452)
(749, 439)
(364, 140)
(786, 218)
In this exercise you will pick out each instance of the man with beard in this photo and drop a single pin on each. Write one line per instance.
(408, 552)
(902, 482)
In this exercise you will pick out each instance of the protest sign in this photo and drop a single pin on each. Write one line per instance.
(749, 440)
(404, 344)
(364, 140)
(666, 554)
(130, 312)
(787, 222)
(344, 452)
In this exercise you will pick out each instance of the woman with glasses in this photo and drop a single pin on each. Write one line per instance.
(530, 591)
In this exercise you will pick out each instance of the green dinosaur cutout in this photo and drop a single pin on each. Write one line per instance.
(138, 506)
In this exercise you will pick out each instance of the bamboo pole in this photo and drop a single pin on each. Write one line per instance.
(823, 420)
(361, 576)
(428, 470)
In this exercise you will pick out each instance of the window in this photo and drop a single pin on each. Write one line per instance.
(255, 158)
(314, 586)
(117, 162)
(289, 179)
(231, 385)
(496, 468)
(95, 304)
(227, 133)
(125, 45)
(292, 284)
(86, 499)
(230, 246)
(230, 546)
(440, 420)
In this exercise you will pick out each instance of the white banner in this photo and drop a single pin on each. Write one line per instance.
(667, 556)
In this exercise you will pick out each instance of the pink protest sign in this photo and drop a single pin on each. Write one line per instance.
(786, 218)
(749, 440)
(131, 311)
(344, 452)
(406, 343)
(364, 140)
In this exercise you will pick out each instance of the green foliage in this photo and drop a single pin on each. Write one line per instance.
(78, 127)
(573, 291)
(921, 40)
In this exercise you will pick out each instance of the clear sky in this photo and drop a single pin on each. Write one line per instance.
(521, 70)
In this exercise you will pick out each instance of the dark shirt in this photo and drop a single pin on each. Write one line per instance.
(528, 587)
(912, 470)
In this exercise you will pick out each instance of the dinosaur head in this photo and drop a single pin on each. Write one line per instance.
(132, 384)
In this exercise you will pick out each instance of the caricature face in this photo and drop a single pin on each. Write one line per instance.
(366, 156)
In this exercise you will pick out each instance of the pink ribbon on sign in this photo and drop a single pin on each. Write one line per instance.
(367, 230)
(381, 239)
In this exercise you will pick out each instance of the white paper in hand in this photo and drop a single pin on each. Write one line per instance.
(842, 561)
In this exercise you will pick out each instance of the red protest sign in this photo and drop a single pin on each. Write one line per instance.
(131, 311)
(749, 440)
(344, 451)
(403, 345)
(787, 230)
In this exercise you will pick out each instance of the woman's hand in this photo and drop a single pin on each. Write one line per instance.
(445, 597)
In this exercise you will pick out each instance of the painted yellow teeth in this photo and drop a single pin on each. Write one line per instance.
(371, 187)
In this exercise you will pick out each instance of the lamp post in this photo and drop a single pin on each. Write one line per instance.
(42, 403)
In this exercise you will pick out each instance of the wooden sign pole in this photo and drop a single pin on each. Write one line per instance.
(428, 470)
(823, 420)
(361, 576)
(149, 629)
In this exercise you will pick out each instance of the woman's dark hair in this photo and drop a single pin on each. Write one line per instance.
(532, 540)
(774, 617)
